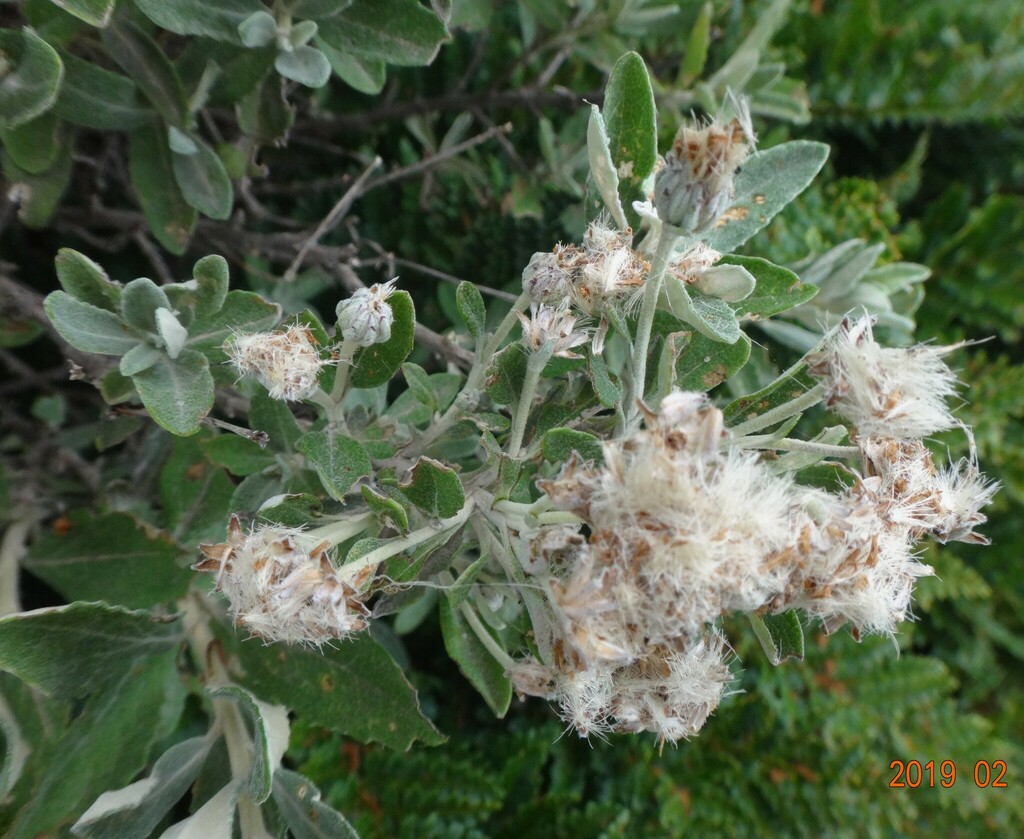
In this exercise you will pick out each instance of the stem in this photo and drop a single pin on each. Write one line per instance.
(558, 517)
(493, 647)
(788, 444)
(649, 305)
(473, 379)
(780, 412)
(396, 546)
(226, 715)
(534, 367)
(345, 354)
(339, 531)
(12, 548)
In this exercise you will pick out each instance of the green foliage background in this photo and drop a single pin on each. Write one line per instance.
(923, 105)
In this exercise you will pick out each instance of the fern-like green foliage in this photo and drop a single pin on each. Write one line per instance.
(946, 61)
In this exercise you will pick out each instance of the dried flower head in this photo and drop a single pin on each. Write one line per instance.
(695, 186)
(895, 393)
(552, 326)
(282, 587)
(545, 280)
(286, 363)
(366, 317)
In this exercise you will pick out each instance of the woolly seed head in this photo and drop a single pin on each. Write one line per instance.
(555, 326)
(545, 280)
(286, 363)
(282, 587)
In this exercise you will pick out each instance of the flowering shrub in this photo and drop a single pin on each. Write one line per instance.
(588, 489)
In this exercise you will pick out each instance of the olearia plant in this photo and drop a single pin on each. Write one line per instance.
(583, 515)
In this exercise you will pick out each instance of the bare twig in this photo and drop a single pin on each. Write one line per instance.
(153, 255)
(331, 220)
(449, 278)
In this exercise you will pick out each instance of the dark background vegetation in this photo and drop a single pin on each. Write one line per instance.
(922, 104)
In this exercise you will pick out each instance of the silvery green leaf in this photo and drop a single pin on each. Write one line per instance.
(401, 32)
(179, 142)
(339, 460)
(897, 276)
(306, 815)
(781, 636)
(367, 75)
(217, 19)
(139, 302)
(475, 661)
(204, 181)
(178, 393)
(174, 335)
(258, 30)
(82, 278)
(302, 33)
(214, 820)
(710, 316)
(139, 358)
(93, 12)
(768, 181)
(793, 336)
(602, 169)
(97, 98)
(171, 218)
(730, 283)
(149, 68)
(305, 65)
(270, 736)
(87, 327)
(842, 279)
(70, 651)
(132, 812)
(211, 278)
(31, 82)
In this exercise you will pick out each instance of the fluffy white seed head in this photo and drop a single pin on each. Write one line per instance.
(554, 326)
(286, 363)
(281, 585)
(366, 317)
(885, 392)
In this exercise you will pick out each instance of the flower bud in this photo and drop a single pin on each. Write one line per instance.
(366, 317)
(695, 186)
(545, 280)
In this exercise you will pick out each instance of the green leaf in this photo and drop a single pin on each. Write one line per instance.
(139, 302)
(419, 384)
(777, 289)
(264, 114)
(82, 278)
(147, 66)
(558, 445)
(305, 65)
(170, 216)
(133, 812)
(367, 75)
(106, 745)
(87, 327)
(243, 311)
(387, 510)
(768, 182)
(217, 19)
(713, 318)
(113, 557)
(608, 393)
(398, 32)
(631, 119)
(270, 737)
(212, 277)
(70, 651)
(33, 145)
(791, 384)
(434, 488)
(195, 494)
(293, 510)
(32, 80)
(470, 303)
(317, 9)
(306, 815)
(236, 454)
(273, 417)
(704, 364)
(356, 690)
(781, 636)
(97, 98)
(697, 47)
(477, 664)
(93, 12)
(506, 375)
(178, 393)
(376, 364)
(204, 181)
(603, 181)
(138, 358)
(339, 460)
(38, 195)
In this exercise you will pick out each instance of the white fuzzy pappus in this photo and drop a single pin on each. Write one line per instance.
(287, 363)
